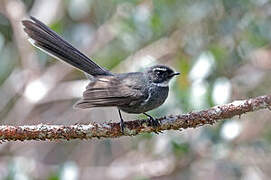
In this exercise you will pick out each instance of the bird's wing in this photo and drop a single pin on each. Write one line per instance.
(112, 91)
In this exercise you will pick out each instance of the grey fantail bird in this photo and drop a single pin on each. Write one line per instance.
(133, 92)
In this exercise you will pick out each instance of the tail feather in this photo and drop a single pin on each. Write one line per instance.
(46, 39)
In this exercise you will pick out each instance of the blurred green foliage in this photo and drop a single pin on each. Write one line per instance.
(205, 40)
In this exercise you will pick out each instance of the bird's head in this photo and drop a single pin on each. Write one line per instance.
(161, 75)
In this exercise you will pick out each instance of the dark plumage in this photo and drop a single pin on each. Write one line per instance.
(135, 92)
(47, 40)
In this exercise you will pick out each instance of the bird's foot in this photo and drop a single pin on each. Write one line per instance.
(153, 122)
(122, 126)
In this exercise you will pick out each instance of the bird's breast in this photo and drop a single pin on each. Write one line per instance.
(156, 97)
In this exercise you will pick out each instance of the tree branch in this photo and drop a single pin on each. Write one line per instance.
(112, 130)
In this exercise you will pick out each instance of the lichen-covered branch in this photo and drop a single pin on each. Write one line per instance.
(112, 130)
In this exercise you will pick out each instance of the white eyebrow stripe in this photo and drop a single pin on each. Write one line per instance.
(160, 69)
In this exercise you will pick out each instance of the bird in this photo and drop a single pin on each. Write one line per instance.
(132, 92)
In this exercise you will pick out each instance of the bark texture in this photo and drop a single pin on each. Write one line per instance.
(132, 128)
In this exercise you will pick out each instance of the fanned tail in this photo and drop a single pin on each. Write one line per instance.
(46, 39)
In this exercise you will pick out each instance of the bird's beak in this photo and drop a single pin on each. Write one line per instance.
(175, 74)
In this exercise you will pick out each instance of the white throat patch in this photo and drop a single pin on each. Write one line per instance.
(162, 84)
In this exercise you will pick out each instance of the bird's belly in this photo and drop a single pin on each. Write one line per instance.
(157, 97)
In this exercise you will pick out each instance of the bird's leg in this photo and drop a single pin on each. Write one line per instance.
(121, 122)
(153, 121)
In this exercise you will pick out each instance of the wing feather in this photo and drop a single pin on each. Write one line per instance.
(111, 91)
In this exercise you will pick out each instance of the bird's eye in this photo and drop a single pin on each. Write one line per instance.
(158, 72)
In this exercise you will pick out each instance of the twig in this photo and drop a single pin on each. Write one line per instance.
(112, 130)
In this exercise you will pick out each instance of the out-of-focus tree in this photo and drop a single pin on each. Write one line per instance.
(222, 48)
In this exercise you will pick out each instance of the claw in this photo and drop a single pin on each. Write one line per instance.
(153, 122)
